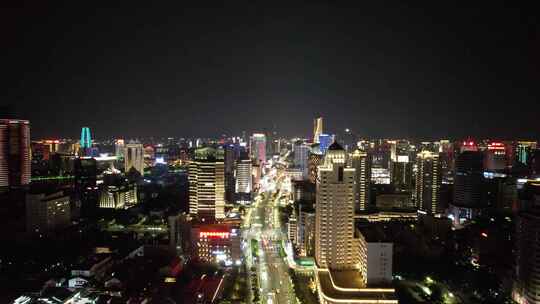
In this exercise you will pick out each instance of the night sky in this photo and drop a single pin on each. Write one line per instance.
(386, 71)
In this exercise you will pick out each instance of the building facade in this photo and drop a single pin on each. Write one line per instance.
(134, 157)
(428, 182)
(207, 184)
(335, 245)
(15, 157)
(361, 162)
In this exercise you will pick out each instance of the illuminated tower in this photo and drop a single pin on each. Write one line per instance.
(134, 157)
(335, 245)
(315, 158)
(428, 182)
(317, 129)
(207, 184)
(244, 182)
(301, 154)
(325, 140)
(258, 147)
(362, 165)
(14, 153)
(86, 139)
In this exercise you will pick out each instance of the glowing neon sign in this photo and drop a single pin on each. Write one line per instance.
(214, 234)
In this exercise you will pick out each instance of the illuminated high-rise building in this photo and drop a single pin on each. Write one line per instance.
(244, 181)
(301, 155)
(468, 179)
(315, 158)
(495, 157)
(523, 151)
(15, 154)
(317, 129)
(325, 140)
(134, 157)
(119, 148)
(207, 184)
(258, 147)
(86, 139)
(361, 162)
(527, 249)
(335, 245)
(428, 182)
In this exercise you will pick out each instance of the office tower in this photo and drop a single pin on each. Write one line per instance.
(46, 212)
(119, 148)
(85, 185)
(401, 167)
(270, 138)
(86, 139)
(361, 163)
(244, 182)
(524, 150)
(317, 129)
(428, 182)
(381, 151)
(335, 245)
(230, 160)
(402, 175)
(258, 148)
(495, 157)
(207, 184)
(527, 263)
(134, 157)
(325, 140)
(315, 159)
(468, 179)
(301, 155)
(15, 155)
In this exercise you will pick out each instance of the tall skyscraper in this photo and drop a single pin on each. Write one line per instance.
(134, 157)
(15, 155)
(86, 139)
(301, 154)
(495, 157)
(86, 190)
(207, 184)
(361, 162)
(335, 245)
(325, 140)
(527, 264)
(258, 147)
(244, 182)
(315, 159)
(119, 148)
(468, 179)
(428, 182)
(230, 160)
(317, 129)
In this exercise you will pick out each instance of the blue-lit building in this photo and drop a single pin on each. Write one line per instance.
(325, 140)
(86, 139)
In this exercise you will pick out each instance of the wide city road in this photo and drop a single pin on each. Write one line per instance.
(264, 226)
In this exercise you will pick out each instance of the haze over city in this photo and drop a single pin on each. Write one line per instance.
(245, 153)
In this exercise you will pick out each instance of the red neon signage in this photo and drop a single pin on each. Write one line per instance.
(496, 146)
(214, 234)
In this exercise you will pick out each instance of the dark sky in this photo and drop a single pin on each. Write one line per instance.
(385, 71)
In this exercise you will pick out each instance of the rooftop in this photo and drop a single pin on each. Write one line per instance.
(337, 286)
